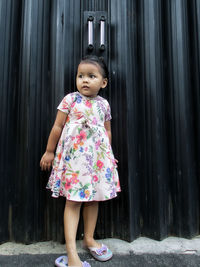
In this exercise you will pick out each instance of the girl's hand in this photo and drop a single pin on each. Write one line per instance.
(46, 161)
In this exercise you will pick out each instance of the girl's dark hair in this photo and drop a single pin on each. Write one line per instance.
(97, 61)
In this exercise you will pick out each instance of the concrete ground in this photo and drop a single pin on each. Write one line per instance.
(141, 252)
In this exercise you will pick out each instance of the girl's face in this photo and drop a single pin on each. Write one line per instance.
(89, 79)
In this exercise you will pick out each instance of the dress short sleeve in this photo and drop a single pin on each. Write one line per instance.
(65, 104)
(108, 116)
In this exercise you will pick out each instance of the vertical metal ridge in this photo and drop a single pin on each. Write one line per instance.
(118, 85)
(95, 5)
(9, 64)
(132, 98)
(184, 183)
(4, 23)
(154, 152)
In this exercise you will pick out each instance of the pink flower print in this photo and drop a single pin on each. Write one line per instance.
(74, 179)
(77, 113)
(73, 138)
(97, 144)
(65, 105)
(86, 148)
(100, 164)
(81, 137)
(74, 174)
(114, 161)
(68, 184)
(73, 104)
(68, 119)
(95, 178)
(94, 121)
(118, 184)
(88, 104)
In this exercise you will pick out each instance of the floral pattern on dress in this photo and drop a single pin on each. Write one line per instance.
(84, 167)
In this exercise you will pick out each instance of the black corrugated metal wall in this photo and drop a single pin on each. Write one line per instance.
(154, 60)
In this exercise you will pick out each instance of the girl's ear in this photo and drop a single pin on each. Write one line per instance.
(105, 82)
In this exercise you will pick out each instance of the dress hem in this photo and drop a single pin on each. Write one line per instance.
(118, 191)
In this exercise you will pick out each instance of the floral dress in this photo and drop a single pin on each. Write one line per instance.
(84, 167)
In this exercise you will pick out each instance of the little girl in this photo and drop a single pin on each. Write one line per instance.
(84, 167)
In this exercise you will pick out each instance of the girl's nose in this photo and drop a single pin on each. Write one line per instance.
(85, 79)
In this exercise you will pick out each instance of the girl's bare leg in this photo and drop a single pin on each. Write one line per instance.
(71, 219)
(90, 214)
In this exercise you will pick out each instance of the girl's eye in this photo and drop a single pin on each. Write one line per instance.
(80, 76)
(92, 76)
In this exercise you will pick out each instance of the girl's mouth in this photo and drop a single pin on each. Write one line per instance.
(85, 87)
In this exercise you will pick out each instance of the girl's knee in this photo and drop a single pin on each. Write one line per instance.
(91, 203)
(73, 204)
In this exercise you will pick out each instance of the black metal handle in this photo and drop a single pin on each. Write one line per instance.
(90, 33)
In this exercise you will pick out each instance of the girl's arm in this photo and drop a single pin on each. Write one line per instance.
(107, 125)
(48, 157)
